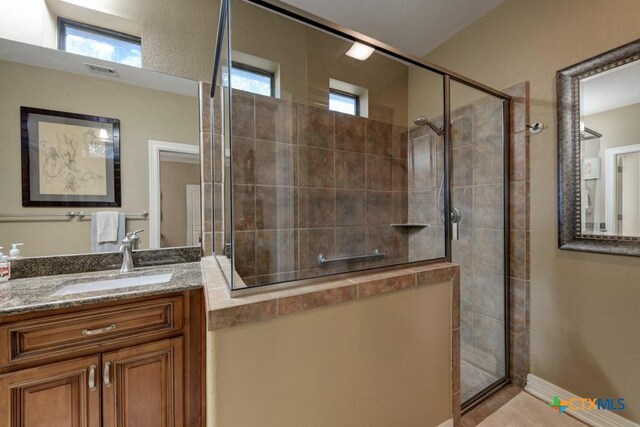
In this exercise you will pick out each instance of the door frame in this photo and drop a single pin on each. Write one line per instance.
(155, 148)
(610, 184)
(190, 217)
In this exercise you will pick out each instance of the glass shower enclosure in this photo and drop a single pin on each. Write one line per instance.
(334, 153)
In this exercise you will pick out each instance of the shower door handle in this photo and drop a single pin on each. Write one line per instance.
(456, 216)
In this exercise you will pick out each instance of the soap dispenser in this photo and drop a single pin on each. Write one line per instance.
(5, 267)
(15, 252)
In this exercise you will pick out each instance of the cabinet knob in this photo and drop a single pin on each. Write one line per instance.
(106, 376)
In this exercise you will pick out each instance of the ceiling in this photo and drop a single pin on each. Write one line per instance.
(616, 88)
(416, 26)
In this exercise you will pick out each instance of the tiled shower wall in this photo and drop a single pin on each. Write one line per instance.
(424, 149)
(478, 192)
(426, 168)
(310, 181)
(519, 278)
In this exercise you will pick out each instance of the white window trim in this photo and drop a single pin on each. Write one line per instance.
(361, 92)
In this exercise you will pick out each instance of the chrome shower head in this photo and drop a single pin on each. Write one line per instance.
(423, 121)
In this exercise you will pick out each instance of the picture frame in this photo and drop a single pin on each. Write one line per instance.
(69, 159)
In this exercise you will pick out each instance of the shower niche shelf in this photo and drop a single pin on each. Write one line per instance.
(411, 225)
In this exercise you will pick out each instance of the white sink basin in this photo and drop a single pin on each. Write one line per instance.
(105, 284)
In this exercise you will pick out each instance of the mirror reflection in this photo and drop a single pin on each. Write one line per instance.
(89, 136)
(610, 152)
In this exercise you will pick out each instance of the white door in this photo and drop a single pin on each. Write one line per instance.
(193, 215)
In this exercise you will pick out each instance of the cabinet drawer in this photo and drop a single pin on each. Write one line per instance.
(56, 334)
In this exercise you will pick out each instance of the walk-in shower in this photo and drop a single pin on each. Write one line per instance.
(328, 164)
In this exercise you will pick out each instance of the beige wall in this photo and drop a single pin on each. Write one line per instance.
(174, 177)
(584, 307)
(144, 114)
(383, 361)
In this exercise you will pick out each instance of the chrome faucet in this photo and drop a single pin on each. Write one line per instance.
(130, 241)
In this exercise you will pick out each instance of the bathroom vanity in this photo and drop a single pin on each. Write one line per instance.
(102, 357)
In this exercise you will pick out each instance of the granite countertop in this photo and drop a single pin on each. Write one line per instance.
(39, 294)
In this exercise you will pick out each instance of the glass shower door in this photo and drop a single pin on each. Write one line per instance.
(478, 200)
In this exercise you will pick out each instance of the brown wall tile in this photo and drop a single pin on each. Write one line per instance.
(400, 175)
(386, 284)
(245, 253)
(276, 251)
(379, 138)
(351, 241)
(243, 113)
(350, 133)
(275, 119)
(462, 166)
(244, 205)
(488, 201)
(316, 207)
(350, 170)
(313, 242)
(243, 161)
(296, 303)
(379, 173)
(316, 167)
(275, 207)
(315, 126)
(350, 208)
(275, 163)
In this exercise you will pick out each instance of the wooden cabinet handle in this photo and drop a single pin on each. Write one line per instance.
(106, 376)
(98, 331)
(92, 378)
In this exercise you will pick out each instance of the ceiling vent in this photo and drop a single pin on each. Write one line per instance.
(99, 69)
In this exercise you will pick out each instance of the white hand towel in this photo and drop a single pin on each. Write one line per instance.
(107, 227)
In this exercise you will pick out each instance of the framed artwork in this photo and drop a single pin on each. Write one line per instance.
(69, 159)
(591, 168)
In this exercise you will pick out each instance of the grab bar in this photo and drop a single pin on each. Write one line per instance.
(375, 255)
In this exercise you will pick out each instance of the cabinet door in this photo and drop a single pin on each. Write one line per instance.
(143, 386)
(58, 395)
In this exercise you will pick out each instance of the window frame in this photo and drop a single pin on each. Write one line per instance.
(65, 22)
(355, 97)
(255, 70)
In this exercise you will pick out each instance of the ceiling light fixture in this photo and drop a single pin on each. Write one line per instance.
(360, 51)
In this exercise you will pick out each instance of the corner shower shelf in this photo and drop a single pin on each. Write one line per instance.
(410, 225)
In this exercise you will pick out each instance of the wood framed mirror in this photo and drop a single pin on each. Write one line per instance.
(598, 107)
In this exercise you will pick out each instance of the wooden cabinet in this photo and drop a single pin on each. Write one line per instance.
(146, 371)
(56, 395)
(143, 386)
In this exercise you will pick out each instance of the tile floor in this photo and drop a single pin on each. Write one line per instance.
(473, 379)
(512, 407)
(525, 410)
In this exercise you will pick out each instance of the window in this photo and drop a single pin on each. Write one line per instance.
(96, 42)
(252, 79)
(344, 102)
(348, 98)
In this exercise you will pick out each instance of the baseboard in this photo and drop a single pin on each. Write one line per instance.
(448, 423)
(546, 391)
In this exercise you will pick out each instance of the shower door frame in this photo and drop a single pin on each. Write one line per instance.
(314, 21)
